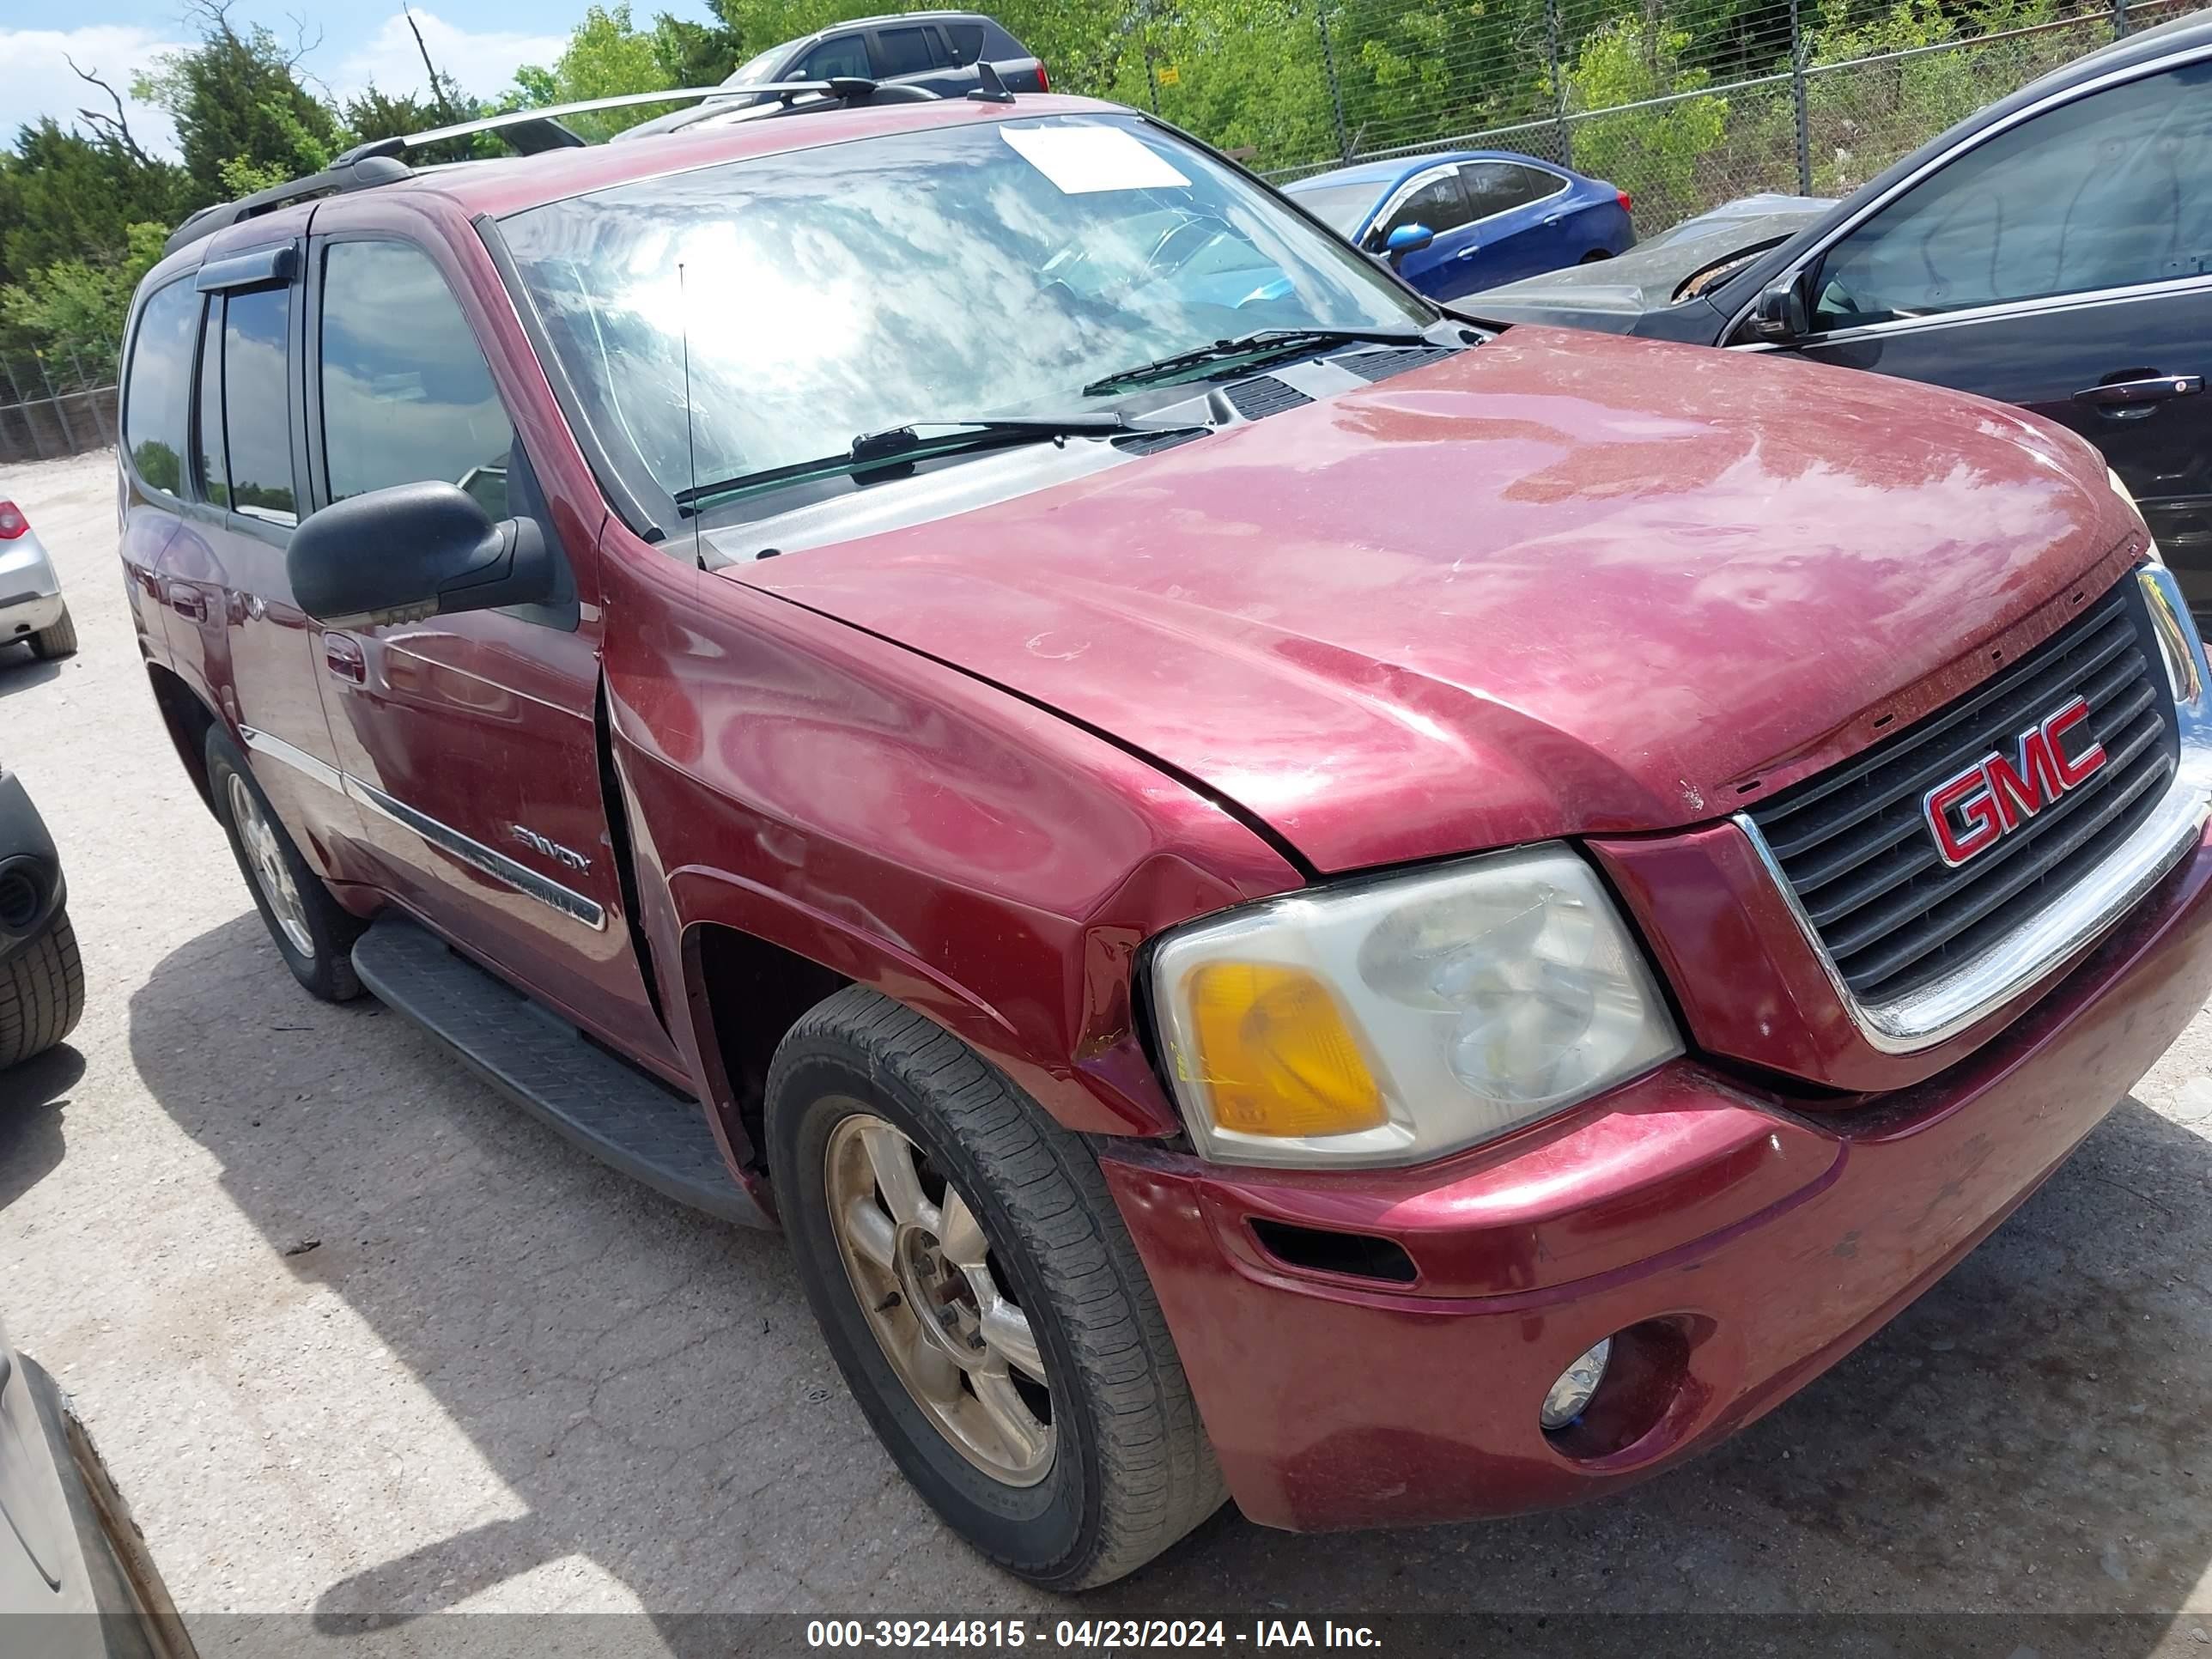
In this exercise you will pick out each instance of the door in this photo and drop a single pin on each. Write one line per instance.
(469, 741)
(2064, 264)
(234, 626)
(1522, 221)
(1437, 199)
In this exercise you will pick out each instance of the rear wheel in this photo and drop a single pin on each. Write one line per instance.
(41, 992)
(976, 1287)
(1594, 256)
(59, 641)
(312, 930)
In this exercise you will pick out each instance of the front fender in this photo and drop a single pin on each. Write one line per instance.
(907, 827)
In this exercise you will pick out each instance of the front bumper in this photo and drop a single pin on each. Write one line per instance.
(1744, 1247)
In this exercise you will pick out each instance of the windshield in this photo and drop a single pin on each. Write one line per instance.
(753, 70)
(1342, 208)
(927, 276)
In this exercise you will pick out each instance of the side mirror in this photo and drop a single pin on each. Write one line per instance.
(412, 552)
(1407, 239)
(1780, 312)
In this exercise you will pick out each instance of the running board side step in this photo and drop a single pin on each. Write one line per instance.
(611, 1109)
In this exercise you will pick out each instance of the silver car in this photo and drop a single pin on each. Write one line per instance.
(75, 1581)
(31, 608)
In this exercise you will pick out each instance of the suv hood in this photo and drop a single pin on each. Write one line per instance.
(1559, 584)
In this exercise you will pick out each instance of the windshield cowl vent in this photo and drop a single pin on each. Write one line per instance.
(1372, 366)
(1257, 399)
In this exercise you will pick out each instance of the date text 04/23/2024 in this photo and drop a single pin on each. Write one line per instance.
(1090, 1634)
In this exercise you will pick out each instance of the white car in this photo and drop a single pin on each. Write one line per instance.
(31, 608)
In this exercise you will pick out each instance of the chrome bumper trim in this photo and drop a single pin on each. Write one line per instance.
(1977, 988)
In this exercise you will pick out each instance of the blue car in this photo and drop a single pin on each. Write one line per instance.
(1450, 224)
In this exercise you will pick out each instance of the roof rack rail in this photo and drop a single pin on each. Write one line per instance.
(535, 130)
(341, 175)
(530, 130)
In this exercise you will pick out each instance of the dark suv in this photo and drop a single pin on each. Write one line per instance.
(1284, 896)
(938, 51)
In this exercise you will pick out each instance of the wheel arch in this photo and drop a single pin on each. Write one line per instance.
(188, 719)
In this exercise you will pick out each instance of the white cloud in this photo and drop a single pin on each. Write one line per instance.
(36, 80)
(482, 62)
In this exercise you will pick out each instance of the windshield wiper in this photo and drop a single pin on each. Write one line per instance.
(1267, 342)
(899, 446)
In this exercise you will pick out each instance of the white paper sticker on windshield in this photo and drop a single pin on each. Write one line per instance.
(1079, 160)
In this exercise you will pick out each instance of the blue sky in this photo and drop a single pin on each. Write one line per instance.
(479, 42)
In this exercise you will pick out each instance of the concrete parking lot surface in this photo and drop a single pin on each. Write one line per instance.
(358, 1337)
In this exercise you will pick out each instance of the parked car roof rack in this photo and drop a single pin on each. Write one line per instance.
(341, 176)
(530, 130)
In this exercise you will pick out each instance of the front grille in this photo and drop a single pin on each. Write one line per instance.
(1855, 848)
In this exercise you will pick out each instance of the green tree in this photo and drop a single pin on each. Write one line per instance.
(244, 119)
(607, 56)
(76, 306)
(1653, 152)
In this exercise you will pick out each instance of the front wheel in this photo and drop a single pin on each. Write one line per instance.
(41, 992)
(976, 1287)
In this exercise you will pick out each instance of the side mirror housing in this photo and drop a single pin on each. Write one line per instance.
(1781, 313)
(1407, 239)
(412, 552)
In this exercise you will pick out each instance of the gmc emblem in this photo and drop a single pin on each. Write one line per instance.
(1969, 811)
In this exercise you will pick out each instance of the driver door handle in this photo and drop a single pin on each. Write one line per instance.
(1468, 252)
(2152, 389)
(342, 656)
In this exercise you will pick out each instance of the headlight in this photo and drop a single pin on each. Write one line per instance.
(1399, 1018)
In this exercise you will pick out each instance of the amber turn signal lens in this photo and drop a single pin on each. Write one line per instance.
(1276, 1055)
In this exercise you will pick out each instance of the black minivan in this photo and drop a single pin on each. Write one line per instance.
(936, 50)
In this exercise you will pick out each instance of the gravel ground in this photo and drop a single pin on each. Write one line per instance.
(359, 1337)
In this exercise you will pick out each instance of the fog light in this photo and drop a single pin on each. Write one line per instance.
(1572, 1392)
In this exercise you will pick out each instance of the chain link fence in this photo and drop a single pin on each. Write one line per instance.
(54, 405)
(1686, 104)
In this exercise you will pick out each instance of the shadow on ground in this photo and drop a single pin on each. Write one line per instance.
(20, 670)
(32, 1098)
(2031, 1436)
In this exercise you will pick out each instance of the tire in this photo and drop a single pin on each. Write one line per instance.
(41, 992)
(59, 641)
(310, 930)
(1130, 1468)
(1593, 257)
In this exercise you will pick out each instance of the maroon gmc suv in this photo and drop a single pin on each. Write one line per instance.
(1287, 898)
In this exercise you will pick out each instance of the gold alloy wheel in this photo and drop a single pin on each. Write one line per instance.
(270, 873)
(921, 1269)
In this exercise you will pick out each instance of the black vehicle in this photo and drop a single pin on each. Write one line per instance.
(2053, 251)
(935, 50)
(41, 978)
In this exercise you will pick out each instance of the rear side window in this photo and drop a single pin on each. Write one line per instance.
(846, 55)
(157, 400)
(256, 404)
(1501, 186)
(967, 41)
(407, 396)
(906, 51)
